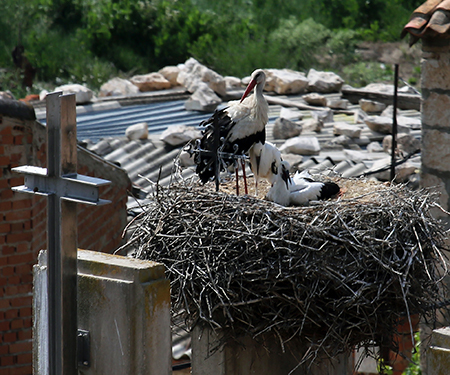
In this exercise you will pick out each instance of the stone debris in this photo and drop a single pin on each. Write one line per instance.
(344, 128)
(285, 81)
(137, 131)
(371, 106)
(171, 74)
(179, 135)
(374, 147)
(203, 99)
(83, 94)
(315, 99)
(150, 82)
(301, 145)
(406, 143)
(338, 103)
(193, 73)
(290, 114)
(324, 82)
(118, 87)
(381, 124)
(285, 129)
(232, 83)
(360, 116)
(7, 95)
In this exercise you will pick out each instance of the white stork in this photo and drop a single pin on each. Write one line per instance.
(299, 190)
(241, 124)
(265, 160)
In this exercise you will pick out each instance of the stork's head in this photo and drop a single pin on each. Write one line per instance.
(258, 78)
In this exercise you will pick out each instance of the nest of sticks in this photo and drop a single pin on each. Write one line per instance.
(340, 274)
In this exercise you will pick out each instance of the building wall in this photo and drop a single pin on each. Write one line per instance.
(23, 227)
(436, 119)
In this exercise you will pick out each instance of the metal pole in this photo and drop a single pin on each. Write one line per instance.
(394, 124)
(55, 343)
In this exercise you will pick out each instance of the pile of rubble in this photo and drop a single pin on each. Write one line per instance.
(208, 90)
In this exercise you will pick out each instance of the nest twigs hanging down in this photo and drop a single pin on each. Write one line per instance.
(340, 274)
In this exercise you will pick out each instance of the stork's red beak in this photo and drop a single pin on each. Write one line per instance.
(248, 89)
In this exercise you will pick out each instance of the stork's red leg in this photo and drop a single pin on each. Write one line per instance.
(245, 177)
(237, 178)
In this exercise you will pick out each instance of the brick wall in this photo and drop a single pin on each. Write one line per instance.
(23, 228)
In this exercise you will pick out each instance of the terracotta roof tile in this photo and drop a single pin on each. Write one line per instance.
(431, 19)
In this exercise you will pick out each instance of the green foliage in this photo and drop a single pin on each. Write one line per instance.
(362, 73)
(414, 366)
(88, 41)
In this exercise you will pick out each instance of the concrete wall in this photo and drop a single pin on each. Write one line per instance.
(23, 226)
(124, 303)
(259, 357)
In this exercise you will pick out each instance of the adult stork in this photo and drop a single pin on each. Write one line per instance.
(300, 189)
(265, 161)
(241, 125)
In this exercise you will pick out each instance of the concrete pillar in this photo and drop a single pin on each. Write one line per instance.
(438, 355)
(124, 303)
(436, 119)
(263, 356)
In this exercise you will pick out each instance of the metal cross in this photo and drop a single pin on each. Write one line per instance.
(64, 189)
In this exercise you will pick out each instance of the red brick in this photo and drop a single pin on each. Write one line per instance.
(23, 203)
(4, 304)
(25, 312)
(4, 183)
(27, 278)
(16, 324)
(11, 314)
(18, 139)
(13, 280)
(23, 247)
(24, 269)
(20, 347)
(5, 206)
(22, 370)
(25, 334)
(3, 280)
(7, 361)
(8, 250)
(4, 161)
(24, 358)
(9, 336)
(4, 326)
(8, 271)
(6, 193)
(27, 323)
(21, 258)
(4, 349)
(18, 214)
(6, 130)
(21, 301)
(11, 290)
(16, 181)
(7, 139)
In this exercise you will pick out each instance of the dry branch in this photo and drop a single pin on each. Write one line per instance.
(341, 274)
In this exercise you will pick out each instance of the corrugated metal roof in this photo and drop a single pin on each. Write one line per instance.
(147, 161)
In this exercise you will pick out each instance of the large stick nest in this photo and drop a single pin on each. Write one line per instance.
(340, 274)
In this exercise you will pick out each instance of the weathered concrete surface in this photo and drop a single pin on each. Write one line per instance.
(262, 357)
(124, 303)
(438, 355)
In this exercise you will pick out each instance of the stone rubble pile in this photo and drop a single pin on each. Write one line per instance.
(208, 90)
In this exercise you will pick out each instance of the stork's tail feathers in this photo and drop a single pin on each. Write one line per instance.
(329, 189)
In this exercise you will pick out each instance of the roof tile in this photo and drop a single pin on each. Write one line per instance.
(431, 19)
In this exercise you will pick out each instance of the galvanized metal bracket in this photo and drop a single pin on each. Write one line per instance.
(71, 187)
(84, 348)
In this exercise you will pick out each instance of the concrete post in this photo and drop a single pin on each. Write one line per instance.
(436, 119)
(438, 355)
(249, 356)
(124, 303)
